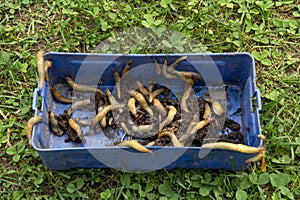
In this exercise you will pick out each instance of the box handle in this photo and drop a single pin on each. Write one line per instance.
(258, 99)
(34, 101)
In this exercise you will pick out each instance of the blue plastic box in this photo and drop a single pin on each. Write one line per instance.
(237, 71)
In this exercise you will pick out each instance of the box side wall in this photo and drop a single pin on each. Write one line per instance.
(234, 68)
(192, 158)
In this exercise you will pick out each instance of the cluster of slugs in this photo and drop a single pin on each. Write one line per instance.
(143, 97)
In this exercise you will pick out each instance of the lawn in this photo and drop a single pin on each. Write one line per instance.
(269, 30)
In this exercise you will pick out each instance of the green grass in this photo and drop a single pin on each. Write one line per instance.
(268, 30)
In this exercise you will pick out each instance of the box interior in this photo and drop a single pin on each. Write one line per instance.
(236, 72)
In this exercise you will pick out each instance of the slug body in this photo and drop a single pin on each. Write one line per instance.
(125, 128)
(131, 106)
(29, 125)
(175, 63)
(153, 94)
(56, 94)
(165, 72)
(157, 92)
(112, 100)
(77, 128)
(142, 88)
(190, 81)
(161, 109)
(199, 126)
(54, 125)
(140, 98)
(173, 138)
(140, 130)
(82, 87)
(77, 105)
(81, 122)
(47, 64)
(126, 68)
(103, 120)
(151, 88)
(186, 95)
(255, 158)
(171, 114)
(157, 68)
(135, 145)
(186, 75)
(41, 68)
(110, 121)
(263, 157)
(233, 147)
(207, 111)
(150, 144)
(193, 128)
(117, 83)
(217, 108)
(103, 113)
(263, 163)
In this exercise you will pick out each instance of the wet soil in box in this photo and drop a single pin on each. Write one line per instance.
(229, 131)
